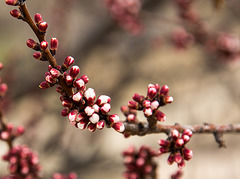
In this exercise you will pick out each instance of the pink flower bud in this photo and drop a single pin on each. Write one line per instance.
(67, 103)
(54, 44)
(133, 105)
(90, 96)
(138, 98)
(131, 118)
(147, 112)
(38, 18)
(85, 79)
(81, 116)
(44, 45)
(3, 89)
(118, 126)
(146, 103)
(100, 124)
(105, 108)
(140, 162)
(12, 2)
(114, 118)
(179, 143)
(187, 132)
(168, 99)
(175, 134)
(181, 165)
(164, 90)
(72, 116)
(152, 91)
(187, 153)
(164, 143)
(31, 43)
(44, 85)
(68, 79)
(77, 97)
(160, 116)
(178, 158)
(68, 62)
(91, 127)
(89, 110)
(55, 73)
(20, 130)
(4, 135)
(164, 150)
(96, 108)
(79, 84)
(65, 112)
(154, 105)
(94, 118)
(103, 99)
(50, 79)
(74, 71)
(170, 159)
(82, 124)
(125, 110)
(37, 55)
(186, 138)
(1, 67)
(42, 26)
(16, 13)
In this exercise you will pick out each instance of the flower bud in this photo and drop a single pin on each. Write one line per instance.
(50, 79)
(20, 130)
(90, 95)
(154, 105)
(118, 126)
(42, 26)
(82, 124)
(44, 45)
(125, 110)
(187, 132)
(138, 98)
(4, 135)
(105, 108)
(65, 112)
(100, 124)
(3, 89)
(146, 103)
(55, 73)
(96, 108)
(77, 97)
(178, 158)
(175, 134)
(147, 112)
(74, 71)
(133, 105)
(31, 43)
(68, 62)
(81, 116)
(68, 80)
(73, 115)
(16, 13)
(170, 159)
(168, 99)
(54, 44)
(114, 118)
(164, 143)
(44, 85)
(37, 55)
(85, 79)
(12, 2)
(38, 18)
(94, 118)
(89, 110)
(152, 91)
(91, 127)
(179, 143)
(67, 103)
(160, 116)
(131, 118)
(164, 90)
(79, 84)
(187, 154)
(103, 99)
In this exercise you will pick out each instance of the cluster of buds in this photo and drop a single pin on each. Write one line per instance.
(156, 96)
(10, 133)
(23, 162)
(181, 38)
(139, 164)
(126, 13)
(3, 86)
(175, 144)
(62, 176)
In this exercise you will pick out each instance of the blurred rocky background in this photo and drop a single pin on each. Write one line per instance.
(120, 64)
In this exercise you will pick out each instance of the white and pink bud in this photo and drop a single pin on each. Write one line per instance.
(118, 126)
(90, 95)
(81, 116)
(42, 26)
(114, 118)
(170, 159)
(164, 90)
(65, 112)
(163, 150)
(164, 143)
(131, 117)
(181, 165)
(178, 157)
(79, 84)
(187, 153)
(100, 125)
(168, 99)
(179, 143)
(94, 118)
(74, 71)
(138, 98)
(105, 108)
(85, 79)
(82, 124)
(3, 89)
(154, 105)
(187, 132)
(50, 79)
(68, 79)
(152, 91)
(20, 130)
(44, 45)
(38, 18)
(160, 116)
(4, 135)
(147, 112)
(55, 73)
(54, 44)
(92, 127)
(16, 13)
(89, 110)
(133, 105)
(77, 97)
(186, 138)
(146, 103)
(68, 62)
(175, 134)
(96, 108)
(103, 99)
(72, 116)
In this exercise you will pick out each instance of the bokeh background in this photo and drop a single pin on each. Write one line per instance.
(119, 64)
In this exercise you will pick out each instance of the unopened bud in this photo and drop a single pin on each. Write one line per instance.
(42, 27)
(74, 71)
(37, 55)
(16, 13)
(38, 18)
(119, 127)
(12, 2)
(54, 44)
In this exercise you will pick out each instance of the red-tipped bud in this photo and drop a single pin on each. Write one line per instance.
(105, 108)
(31, 43)
(164, 150)
(181, 165)
(187, 132)
(179, 143)
(12, 2)
(20, 130)
(164, 143)
(114, 118)
(92, 127)
(50, 79)
(72, 116)
(160, 116)
(77, 97)
(3, 89)
(138, 98)
(38, 18)
(89, 110)
(146, 103)
(44, 85)
(147, 112)
(186, 138)
(85, 79)
(67, 103)
(42, 27)
(94, 118)
(68, 62)
(44, 45)
(133, 105)
(65, 112)
(54, 44)
(119, 127)
(90, 95)
(154, 105)
(131, 117)
(79, 84)
(152, 91)
(37, 55)
(187, 154)
(103, 99)
(82, 124)
(55, 73)
(74, 71)
(164, 90)
(178, 158)
(168, 99)
(170, 159)
(100, 124)
(16, 13)
(68, 79)
(175, 134)
(81, 116)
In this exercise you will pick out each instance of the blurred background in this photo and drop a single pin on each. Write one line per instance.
(120, 64)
